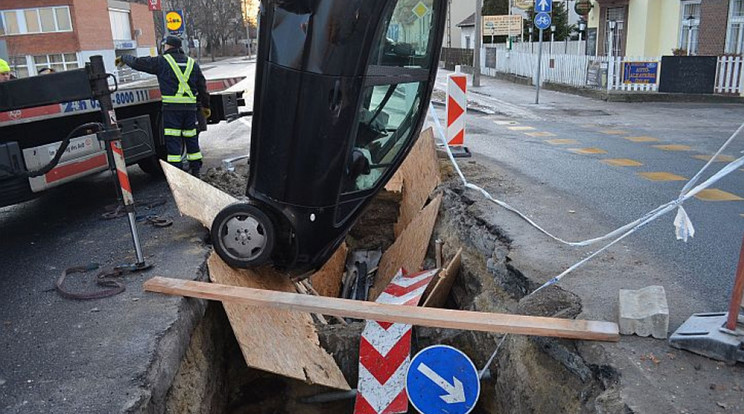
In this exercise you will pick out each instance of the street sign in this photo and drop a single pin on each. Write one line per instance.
(442, 379)
(154, 5)
(542, 21)
(504, 25)
(174, 22)
(543, 6)
(420, 9)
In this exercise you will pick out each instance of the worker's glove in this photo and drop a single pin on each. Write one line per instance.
(119, 61)
(206, 112)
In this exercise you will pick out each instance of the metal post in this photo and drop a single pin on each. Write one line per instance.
(539, 65)
(165, 24)
(736, 294)
(578, 46)
(478, 42)
(611, 51)
(112, 136)
(568, 15)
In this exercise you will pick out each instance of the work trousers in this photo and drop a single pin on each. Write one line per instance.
(179, 129)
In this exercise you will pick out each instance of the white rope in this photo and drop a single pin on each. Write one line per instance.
(683, 225)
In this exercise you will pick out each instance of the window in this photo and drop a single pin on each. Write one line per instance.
(63, 19)
(391, 101)
(688, 34)
(120, 27)
(735, 34)
(614, 30)
(58, 62)
(47, 20)
(19, 66)
(32, 20)
(40, 20)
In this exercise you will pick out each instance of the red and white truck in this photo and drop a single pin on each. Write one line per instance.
(30, 137)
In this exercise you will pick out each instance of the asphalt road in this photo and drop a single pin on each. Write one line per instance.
(613, 162)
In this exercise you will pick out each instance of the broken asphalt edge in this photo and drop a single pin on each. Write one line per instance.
(170, 349)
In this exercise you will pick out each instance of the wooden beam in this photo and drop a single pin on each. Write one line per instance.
(439, 318)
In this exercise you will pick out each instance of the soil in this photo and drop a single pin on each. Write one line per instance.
(527, 375)
(234, 183)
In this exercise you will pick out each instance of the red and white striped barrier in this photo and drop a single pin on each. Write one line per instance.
(457, 104)
(385, 350)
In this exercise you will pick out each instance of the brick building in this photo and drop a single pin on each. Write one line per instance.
(657, 27)
(63, 34)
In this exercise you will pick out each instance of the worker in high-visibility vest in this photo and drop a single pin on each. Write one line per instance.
(5, 71)
(184, 92)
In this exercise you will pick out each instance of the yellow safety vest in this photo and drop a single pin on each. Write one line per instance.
(184, 94)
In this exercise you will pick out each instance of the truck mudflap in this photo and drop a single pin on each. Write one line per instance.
(86, 155)
(224, 107)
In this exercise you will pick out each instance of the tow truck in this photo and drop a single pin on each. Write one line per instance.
(31, 136)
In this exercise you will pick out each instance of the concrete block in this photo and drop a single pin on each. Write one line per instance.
(644, 312)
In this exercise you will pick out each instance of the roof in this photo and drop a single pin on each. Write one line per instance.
(469, 21)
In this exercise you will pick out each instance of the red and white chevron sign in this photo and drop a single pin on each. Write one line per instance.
(385, 350)
(457, 104)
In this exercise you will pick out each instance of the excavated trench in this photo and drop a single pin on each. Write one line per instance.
(529, 374)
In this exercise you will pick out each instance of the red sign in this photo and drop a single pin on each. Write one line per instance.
(154, 5)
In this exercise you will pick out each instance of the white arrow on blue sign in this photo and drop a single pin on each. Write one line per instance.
(544, 6)
(442, 380)
(542, 21)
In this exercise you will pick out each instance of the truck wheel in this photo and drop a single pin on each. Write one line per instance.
(243, 235)
(151, 165)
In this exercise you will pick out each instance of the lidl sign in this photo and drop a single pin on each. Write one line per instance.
(174, 22)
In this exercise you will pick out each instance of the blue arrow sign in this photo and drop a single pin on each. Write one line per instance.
(542, 21)
(442, 380)
(543, 6)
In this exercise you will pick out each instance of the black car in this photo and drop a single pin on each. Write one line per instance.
(342, 90)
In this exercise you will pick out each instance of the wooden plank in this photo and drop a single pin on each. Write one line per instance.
(413, 315)
(419, 175)
(409, 249)
(437, 297)
(327, 280)
(274, 339)
(194, 197)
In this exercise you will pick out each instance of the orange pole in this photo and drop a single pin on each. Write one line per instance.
(736, 295)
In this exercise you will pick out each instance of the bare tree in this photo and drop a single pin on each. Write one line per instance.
(216, 21)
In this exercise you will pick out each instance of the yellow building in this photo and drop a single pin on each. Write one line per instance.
(658, 27)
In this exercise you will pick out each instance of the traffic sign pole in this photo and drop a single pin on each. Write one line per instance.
(539, 64)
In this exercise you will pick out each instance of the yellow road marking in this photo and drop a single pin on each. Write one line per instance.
(622, 162)
(540, 134)
(521, 128)
(661, 176)
(714, 194)
(642, 139)
(588, 151)
(673, 147)
(720, 158)
(561, 141)
(614, 132)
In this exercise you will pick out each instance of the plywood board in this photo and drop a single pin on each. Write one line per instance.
(442, 285)
(271, 339)
(409, 249)
(327, 280)
(194, 197)
(419, 174)
(413, 315)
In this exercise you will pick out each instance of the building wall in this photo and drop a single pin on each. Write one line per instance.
(142, 19)
(713, 26)
(459, 11)
(90, 19)
(653, 27)
(38, 44)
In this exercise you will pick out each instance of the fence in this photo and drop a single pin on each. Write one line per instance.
(729, 79)
(621, 73)
(600, 72)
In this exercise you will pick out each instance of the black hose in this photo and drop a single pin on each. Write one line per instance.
(60, 152)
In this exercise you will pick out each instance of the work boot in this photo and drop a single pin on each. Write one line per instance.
(196, 172)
